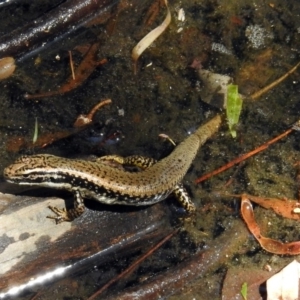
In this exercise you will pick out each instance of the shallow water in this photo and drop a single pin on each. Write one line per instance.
(253, 42)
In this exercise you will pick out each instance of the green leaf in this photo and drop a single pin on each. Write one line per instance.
(244, 290)
(233, 108)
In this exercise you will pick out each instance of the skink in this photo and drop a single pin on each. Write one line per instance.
(103, 182)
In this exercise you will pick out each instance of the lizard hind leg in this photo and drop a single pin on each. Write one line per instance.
(184, 198)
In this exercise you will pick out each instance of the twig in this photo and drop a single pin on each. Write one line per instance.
(256, 95)
(233, 176)
(166, 137)
(274, 83)
(243, 157)
(98, 106)
(83, 71)
(72, 65)
(84, 120)
(133, 266)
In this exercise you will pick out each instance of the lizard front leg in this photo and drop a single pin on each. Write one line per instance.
(68, 215)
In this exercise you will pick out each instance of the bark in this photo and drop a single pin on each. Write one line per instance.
(31, 244)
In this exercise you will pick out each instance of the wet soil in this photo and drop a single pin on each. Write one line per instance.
(253, 43)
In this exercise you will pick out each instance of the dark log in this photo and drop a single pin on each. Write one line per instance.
(175, 279)
(6, 2)
(65, 18)
(32, 247)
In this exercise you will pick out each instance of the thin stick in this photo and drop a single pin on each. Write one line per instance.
(274, 83)
(233, 176)
(71, 65)
(98, 106)
(166, 137)
(133, 266)
(243, 157)
(84, 120)
(82, 72)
